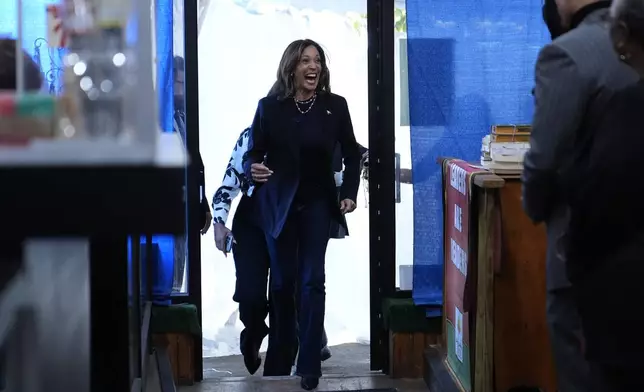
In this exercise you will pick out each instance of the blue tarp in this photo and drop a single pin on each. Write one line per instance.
(471, 65)
(162, 268)
(165, 84)
(165, 88)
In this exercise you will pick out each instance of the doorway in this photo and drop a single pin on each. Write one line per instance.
(236, 66)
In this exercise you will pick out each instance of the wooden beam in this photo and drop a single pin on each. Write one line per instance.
(484, 317)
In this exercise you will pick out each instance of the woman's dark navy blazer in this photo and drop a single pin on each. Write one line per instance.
(274, 141)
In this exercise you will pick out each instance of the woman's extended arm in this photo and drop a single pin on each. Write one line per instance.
(234, 181)
(351, 157)
(257, 142)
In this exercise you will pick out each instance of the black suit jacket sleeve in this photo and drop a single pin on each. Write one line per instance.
(350, 154)
(204, 207)
(202, 182)
(560, 99)
(257, 141)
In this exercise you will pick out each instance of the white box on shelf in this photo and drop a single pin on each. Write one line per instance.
(508, 152)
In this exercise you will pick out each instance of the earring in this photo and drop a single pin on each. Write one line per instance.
(624, 56)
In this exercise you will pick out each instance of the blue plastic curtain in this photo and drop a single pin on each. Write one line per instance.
(164, 53)
(165, 88)
(471, 65)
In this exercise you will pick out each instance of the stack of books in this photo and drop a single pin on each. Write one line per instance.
(511, 133)
(505, 147)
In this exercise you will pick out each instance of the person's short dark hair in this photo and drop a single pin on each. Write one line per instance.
(178, 63)
(8, 74)
(631, 14)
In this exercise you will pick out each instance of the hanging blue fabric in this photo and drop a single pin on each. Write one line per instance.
(162, 284)
(162, 257)
(471, 65)
(161, 269)
(164, 54)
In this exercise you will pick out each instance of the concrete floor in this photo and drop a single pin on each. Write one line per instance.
(347, 360)
(292, 384)
(347, 369)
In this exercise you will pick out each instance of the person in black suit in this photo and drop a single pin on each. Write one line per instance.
(179, 125)
(575, 76)
(290, 159)
(338, 227)
(605, 242)
(179, 118)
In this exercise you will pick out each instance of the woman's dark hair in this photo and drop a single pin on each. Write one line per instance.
(8, 74)
(550, 14)
(284, 86)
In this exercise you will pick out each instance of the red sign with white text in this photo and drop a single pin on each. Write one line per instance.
(457, 180)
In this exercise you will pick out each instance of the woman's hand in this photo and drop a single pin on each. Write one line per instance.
(260, 173)
(347, 206)
(221, 233)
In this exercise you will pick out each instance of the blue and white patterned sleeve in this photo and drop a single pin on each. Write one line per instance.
(234, 181)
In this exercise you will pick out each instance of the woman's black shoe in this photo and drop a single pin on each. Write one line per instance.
(252, 363)
(325, 353)
(309, 383)
(250, 351)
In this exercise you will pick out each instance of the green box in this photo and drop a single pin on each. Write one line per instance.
(36, 105)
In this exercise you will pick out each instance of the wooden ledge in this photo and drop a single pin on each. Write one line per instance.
(488, 181)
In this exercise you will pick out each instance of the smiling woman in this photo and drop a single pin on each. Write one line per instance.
(304, 64)
(294, 137)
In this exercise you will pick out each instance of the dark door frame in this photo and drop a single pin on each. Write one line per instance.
(382, 150)
(193, 180)
(382, 211)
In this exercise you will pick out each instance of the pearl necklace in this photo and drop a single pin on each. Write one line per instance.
(310, 102)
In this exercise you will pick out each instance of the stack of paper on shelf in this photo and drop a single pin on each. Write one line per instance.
(505, 147)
